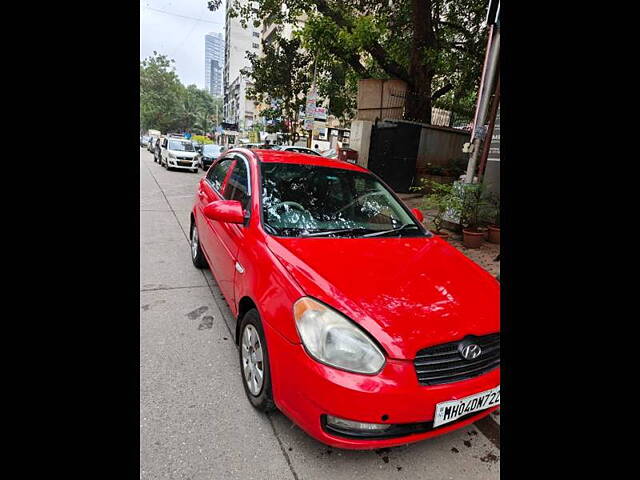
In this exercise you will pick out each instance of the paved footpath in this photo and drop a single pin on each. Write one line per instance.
(195, 423)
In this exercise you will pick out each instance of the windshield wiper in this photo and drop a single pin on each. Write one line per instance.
(393, 230)
(330, 232)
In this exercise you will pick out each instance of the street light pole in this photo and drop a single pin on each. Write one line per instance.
(478, 134)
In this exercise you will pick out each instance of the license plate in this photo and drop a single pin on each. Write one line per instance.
(452, 410)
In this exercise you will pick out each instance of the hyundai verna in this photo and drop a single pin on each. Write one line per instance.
(351, 318)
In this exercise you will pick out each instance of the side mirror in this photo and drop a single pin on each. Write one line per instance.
(418, 214)
(228, 211)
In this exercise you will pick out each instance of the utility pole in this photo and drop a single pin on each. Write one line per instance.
(478, 134)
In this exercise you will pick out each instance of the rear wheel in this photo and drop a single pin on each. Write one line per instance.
(197, 257)
(254, 363)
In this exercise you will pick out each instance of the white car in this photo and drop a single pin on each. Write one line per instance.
(178, 153)
(293, 148)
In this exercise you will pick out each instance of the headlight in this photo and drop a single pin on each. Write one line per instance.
(171, 155)
(332, 339)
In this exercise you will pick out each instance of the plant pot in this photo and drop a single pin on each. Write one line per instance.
(485, 232)
(443, 235)
(494, 233)
(472, 238)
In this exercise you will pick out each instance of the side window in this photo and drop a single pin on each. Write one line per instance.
(237, 187)
(217, 173)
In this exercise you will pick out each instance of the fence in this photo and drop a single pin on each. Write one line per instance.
(397, 99)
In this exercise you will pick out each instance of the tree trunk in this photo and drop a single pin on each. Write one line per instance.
(418, 102)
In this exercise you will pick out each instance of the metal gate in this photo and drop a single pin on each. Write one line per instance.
(393, 153)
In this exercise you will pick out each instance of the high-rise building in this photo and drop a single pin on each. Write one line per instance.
(239, 42)
(213, 63)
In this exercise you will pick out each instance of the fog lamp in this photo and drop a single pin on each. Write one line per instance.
(343, 424)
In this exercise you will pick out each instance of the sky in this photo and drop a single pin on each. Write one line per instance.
(164, 28)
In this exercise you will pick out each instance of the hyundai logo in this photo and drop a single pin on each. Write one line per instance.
(470, 351)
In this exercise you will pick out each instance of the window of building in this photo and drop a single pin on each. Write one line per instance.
(256, 34)
(255, 45)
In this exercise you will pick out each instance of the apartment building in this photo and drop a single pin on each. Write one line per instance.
(213, 63)
(238, 42)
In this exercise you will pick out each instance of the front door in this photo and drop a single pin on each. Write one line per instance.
(219, 250)
(230, 235)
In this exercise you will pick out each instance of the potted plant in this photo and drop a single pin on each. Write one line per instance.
(472, 209)
(438, 202)
(494, 227)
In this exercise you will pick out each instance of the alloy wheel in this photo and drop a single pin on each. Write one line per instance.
(194, 242)
(252, 360)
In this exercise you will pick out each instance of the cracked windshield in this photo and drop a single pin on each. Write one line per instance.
(308, 201)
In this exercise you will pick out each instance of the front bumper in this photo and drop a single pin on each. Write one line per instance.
(307, 391)
(177, 164)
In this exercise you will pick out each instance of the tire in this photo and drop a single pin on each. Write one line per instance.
(197, 257)
(259, 395)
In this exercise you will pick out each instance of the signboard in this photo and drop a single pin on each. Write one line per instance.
(308, 123)
(494, 147)
(320, 113)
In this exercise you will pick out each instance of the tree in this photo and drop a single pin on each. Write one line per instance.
(281, 76)
(167, 105)
(160, 93)
(196, 105)
(435, 46)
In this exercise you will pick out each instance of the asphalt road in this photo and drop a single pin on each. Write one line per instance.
(195, 422)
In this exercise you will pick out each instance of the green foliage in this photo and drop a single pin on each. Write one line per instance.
(281, 76)
(471, 204)
(160, 92)
(167, 105)
(202, 139)
(437, 47)
(441, 199)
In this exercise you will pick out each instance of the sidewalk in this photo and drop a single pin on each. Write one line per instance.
(483, 256)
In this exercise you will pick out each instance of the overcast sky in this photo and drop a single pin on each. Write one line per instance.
(177, 28)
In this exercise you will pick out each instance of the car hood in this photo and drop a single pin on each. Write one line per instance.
(409, 293)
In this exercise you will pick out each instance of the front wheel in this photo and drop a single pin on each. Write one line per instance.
(197, 257)
(254, 363)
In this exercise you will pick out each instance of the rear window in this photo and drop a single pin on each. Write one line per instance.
(211, 150)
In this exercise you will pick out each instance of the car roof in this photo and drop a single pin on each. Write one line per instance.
(278, 156)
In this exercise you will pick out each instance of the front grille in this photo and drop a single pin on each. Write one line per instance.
(183, 158)
(184, 164)
(444, 363)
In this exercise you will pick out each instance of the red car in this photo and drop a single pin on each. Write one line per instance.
(351, 318)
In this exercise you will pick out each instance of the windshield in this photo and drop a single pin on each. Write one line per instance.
(308, 200)
(211, 150)
(180, 146)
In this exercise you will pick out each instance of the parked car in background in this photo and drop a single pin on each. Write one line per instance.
(178, 153)
(352, 319)
(152, 144)
(197, 145)
(144, 140)
(209, 154)
(294, 148)
(252, 145)
(156, 149)
(331, 153)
